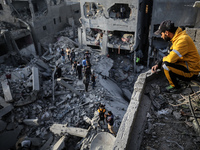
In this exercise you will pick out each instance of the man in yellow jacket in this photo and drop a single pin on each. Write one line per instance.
(183, 61)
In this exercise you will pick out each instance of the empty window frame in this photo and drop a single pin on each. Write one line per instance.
(119, 11)
(60, 20)
(44, 27)
(54, 20)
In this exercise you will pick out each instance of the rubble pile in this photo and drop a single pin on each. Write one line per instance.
(170, 121)
(54, 113)
(7, 26)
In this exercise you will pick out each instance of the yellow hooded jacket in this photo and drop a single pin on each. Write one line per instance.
(184, 52)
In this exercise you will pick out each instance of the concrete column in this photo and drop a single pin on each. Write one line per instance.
(80, 37)
(84, 35)
(31, 9)
(104, 44)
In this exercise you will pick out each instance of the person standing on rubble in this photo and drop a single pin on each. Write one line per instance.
(58, 72)
(183, 61)
(68, 52)
(72, 56)
(79, 70)
(110, 120)
(63, 55)
(93, 78)
(84, 63)
(101, 112)
(74, 67)
(86, 81)
(88, 72)
(87, 55)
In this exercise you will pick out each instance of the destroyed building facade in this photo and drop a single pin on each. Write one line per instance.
(109, 24)
(43, 18)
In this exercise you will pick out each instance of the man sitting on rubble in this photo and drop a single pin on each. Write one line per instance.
(183, 61)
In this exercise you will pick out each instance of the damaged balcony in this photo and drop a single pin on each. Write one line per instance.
(25, 10)
(120, 39)
(94, 36)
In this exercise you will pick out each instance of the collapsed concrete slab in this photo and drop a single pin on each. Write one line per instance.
(62, 129)
(62, 82)
(31, 122)
(103, 140)
(60, 144)
(6, 91)
(9, 138)
(47, 144)
(35, 75)
(6, 107)
(30, 99)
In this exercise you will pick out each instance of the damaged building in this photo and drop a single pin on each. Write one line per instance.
(109, 25)
(43, 18)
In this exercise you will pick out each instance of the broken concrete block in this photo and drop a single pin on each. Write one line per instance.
(60, 144)
(87, 119)
(6, 107)
(8, 139)
(35, 76)
(31, 98)
(62, 82)
(62, 129)
(31, 122)
(47, 144)
(6, 91)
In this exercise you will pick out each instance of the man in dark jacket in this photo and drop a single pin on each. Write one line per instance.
(79, 70)
(110, 121)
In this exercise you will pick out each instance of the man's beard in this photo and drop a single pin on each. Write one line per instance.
(166, 38)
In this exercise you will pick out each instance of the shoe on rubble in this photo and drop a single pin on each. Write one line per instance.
(171, 89)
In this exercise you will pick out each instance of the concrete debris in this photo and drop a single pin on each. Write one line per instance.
(37, 100)
(60, 144)
(5, 107)
(103, 140)
(63, 129)
(31, 122)
(35, 75)
(62, 82)
(6, 91)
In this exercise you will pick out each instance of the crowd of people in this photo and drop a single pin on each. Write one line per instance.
(81, 68)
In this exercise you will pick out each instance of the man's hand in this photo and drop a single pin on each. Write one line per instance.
(154, 68)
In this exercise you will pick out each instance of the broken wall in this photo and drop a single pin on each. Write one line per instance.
(101, 15)
(45, 19)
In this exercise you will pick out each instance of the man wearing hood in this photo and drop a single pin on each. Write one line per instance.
(183, 61)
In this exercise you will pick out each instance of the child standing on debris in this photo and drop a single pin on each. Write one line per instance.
(110, 120)
(93, 77)
(86, 81)
(101, 112)
(79, 70)
(63, 54)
